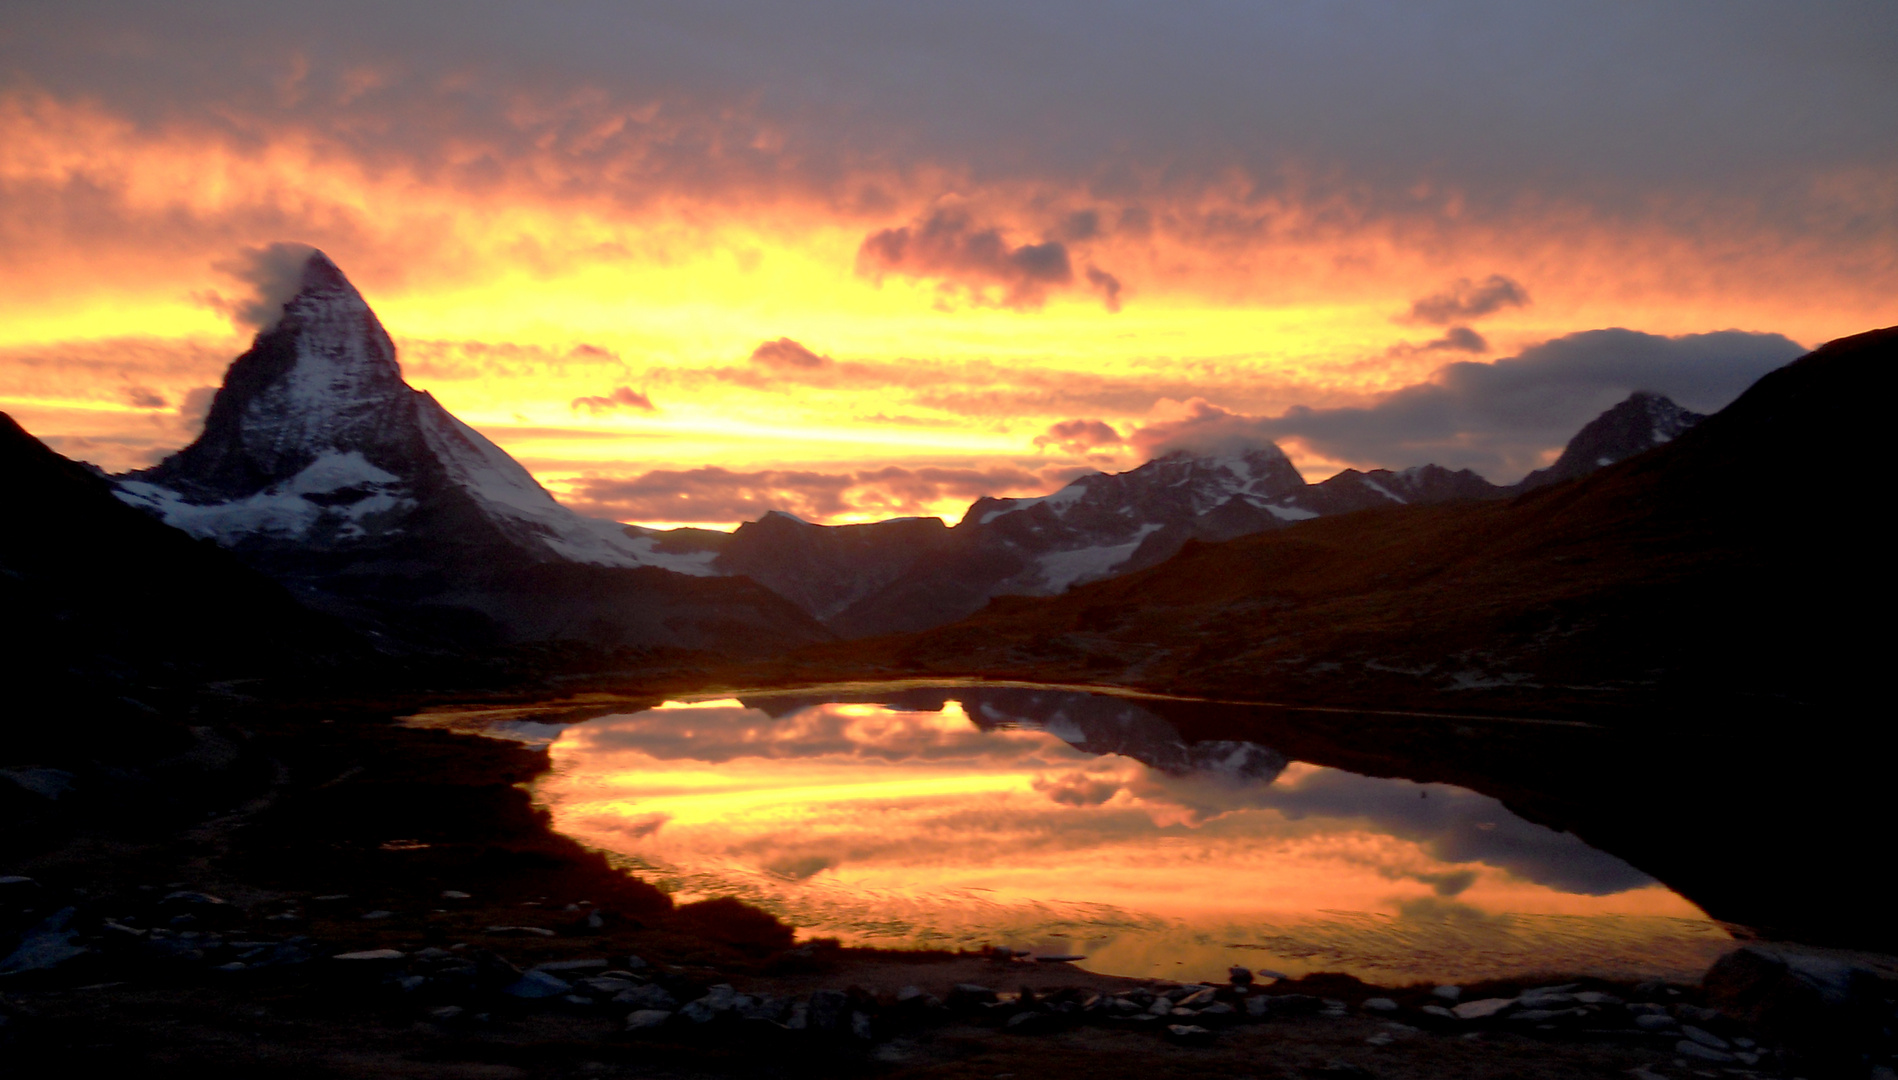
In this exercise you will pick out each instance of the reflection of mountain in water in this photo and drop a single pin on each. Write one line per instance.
(1094, 723)
(1453, 824)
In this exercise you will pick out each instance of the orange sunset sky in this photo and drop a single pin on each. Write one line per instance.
(690, 262)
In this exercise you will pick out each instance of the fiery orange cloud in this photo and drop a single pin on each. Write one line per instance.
(637, 287)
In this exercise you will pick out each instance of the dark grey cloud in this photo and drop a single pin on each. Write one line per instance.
(273, 273)
(143, 397)
(1596, 101)
(971, 261)
(1080, 436)
(1458, 339)
(1107, 285)
(786, 353)
(1464, 300)
(624, 397)
(1498, 418)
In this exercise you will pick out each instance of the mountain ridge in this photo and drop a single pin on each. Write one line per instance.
(1659, 582)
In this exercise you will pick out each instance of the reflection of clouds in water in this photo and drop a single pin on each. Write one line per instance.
(716, 732)
(1085, 800)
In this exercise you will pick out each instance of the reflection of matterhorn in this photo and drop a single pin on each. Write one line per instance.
(322, 467)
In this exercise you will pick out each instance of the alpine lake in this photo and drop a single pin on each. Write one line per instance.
(1086, 827)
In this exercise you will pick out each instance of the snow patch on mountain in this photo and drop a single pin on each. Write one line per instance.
(1060, 569)
(342, 487)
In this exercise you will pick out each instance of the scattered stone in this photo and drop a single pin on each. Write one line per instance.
(537, 984)
(520, 931)
(572, 965)
(1483, 1009)
(861, 1028)
(1538, 999)
(1545, 1016)
(1197, 999)
(647, 1019)
(648, 997)
(1447, 993)
(718, 1001)
(185, 897)
(1438, 1011)
(1382, 1038)
(455, 894)
(370, 956)
(1647, 1008)
(1189, 1034)
(1031, 1022)
(378, 914)
(1380, 1004)
(1687, 1048)
(1342, 1070)
(970, 995)
(446, 1014)
(1596, 997)
(1655, 1022)
(1704, 1038)
(1256, 1007)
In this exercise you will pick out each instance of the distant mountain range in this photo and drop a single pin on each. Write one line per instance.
(320, 467)
(916, 573)
(1697, 583)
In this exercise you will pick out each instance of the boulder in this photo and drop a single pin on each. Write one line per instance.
(1484, 1009)
(47, 945)
(648, 1019)
(1828, 1009)
(829, 1010)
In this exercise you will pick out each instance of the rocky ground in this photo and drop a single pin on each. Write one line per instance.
(319, 892)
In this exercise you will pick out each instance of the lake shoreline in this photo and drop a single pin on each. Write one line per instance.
(272, 807)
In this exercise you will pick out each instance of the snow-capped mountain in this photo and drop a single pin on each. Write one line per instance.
(1640, 423)
(319, 465)
(316, 441)
(912, 574)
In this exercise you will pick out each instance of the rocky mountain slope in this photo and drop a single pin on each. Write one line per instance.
(1671, 583)
(321, 467)
(107, 611)
(913, 574)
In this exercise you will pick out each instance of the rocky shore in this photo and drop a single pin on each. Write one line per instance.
(314, 981)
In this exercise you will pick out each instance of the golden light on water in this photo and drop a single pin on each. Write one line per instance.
(895, 827)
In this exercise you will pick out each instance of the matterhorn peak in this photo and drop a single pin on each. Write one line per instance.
(321, 379)
(315, 441)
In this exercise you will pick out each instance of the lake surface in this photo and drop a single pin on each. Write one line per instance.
(1076, 823)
